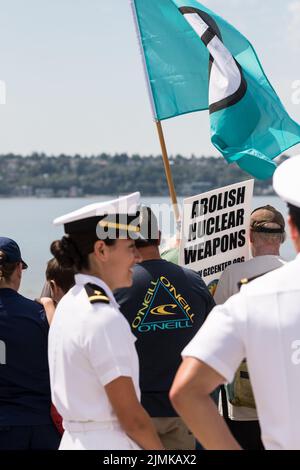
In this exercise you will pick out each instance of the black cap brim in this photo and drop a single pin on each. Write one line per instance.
(24, 265)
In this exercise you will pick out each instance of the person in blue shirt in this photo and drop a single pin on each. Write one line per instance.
(25, 398)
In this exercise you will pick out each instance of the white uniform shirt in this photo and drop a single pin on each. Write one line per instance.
(228, 286)
(261, 323)
(90, 345)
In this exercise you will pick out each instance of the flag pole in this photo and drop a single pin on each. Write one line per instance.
(165, 157)
(168, 170)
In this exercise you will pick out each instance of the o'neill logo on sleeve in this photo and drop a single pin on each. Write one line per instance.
(227, 84)
(163, 308)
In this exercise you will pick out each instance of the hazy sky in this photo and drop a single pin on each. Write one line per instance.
(75, 82)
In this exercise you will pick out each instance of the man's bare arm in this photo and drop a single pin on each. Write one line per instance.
(190, 395)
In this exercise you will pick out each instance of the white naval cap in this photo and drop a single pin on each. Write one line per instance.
(114, 215)
(286, 181)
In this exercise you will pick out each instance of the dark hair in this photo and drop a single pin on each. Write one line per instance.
(294, 213)
(6, 269)
(72, 251)
(63, 277)
(149, 229)
(144, 243)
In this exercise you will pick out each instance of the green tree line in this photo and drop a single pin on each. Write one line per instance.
(66, 175)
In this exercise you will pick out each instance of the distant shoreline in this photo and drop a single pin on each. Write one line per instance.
(65, 176)
(90, 196)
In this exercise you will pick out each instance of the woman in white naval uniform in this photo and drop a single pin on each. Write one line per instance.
(93, 363)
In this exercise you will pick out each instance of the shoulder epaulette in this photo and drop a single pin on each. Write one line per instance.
(96, 294)
(246, 280)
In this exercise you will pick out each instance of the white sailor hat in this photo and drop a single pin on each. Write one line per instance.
(286, 181)
(112, 219)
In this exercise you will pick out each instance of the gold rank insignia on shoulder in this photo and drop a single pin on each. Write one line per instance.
(246, 280)
(243, 282)
(96, 294)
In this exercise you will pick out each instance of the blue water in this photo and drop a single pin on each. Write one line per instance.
(29, 222)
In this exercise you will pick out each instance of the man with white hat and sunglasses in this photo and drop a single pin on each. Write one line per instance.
(261, 324)
(93, 363)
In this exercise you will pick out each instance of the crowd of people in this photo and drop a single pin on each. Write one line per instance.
(127, 350)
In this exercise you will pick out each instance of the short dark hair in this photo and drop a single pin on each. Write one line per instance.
(63, 277)
(6, 269)
(149, 229)
(294, 213)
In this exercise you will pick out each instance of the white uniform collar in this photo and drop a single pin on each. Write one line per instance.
(82, 279)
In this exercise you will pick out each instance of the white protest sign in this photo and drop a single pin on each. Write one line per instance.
(215, 230)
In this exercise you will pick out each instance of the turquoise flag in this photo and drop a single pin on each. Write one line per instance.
(197, 61)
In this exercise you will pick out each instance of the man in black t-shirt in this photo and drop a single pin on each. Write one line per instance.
(165, 307)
